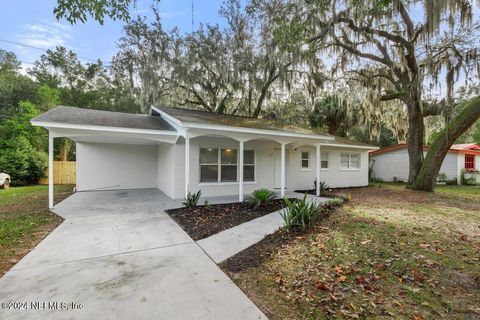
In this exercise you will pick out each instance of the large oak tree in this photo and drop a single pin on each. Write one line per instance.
(398, 50)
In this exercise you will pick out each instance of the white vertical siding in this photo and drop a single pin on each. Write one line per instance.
(388, 166)
(449, 166)
(165, 169)
(115, 166)
(394, 164)
(297, 178)
(334, 176)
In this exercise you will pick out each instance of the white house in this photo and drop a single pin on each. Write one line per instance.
(180, 151)
(391, 163)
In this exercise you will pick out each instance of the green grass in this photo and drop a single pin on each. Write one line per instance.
(16, 195)
(25, 220)
(391, 253)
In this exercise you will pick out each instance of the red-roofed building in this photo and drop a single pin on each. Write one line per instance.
(391, 163)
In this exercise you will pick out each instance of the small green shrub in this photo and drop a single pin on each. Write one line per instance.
(260, 197)
(442, 177)
(299, 213)
(191, 201)
(323, 186)
(335, 202)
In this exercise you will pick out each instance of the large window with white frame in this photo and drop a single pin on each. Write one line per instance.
(221, 165)
(350, 160)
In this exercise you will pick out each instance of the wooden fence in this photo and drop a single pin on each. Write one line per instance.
(64, 172)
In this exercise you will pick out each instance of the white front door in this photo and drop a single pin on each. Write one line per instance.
(277, 183)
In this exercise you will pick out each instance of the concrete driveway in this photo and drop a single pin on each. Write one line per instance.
(118, 255)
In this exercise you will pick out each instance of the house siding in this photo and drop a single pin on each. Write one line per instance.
(394, 165)
(115, 166)
(296, 178)
(165, 164)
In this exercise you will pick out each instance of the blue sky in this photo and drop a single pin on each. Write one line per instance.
(32, 22)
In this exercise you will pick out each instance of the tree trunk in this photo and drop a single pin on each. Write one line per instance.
(427, 176)
(415, 139)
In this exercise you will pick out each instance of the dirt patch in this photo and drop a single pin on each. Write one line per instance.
(205, 221)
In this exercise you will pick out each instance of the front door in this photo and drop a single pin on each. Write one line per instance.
(277, 168)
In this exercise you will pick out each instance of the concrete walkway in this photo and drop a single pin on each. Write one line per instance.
(118, 255)
(226, 244)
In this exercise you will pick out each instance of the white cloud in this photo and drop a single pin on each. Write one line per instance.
(45, 35)
(172, 14)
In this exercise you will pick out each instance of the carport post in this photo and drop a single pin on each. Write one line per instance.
(282, 168)
(50, 170)
(187, 163)
(319, 163)
(240, 173)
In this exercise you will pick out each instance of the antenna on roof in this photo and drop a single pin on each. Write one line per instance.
(192, 16)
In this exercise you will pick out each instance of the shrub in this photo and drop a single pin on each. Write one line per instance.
(23, 162)
(323, 186)
(442, 177)
(191, 201)
(335, 202)
(299, 213)
(260, 197)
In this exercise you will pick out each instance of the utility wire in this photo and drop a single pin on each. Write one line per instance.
(43, 49)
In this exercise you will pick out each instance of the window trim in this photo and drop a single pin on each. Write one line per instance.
(350, 168)
(328, 160)
(254, 165)
(472, 162)
(307, 168)
(219, 166)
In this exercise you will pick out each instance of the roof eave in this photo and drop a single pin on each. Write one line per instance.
(48, 124)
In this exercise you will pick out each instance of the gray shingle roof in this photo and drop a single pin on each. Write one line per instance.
(204, 117)
(82, 116)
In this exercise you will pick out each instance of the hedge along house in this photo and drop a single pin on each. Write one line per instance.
(180, 151)
(391, 163)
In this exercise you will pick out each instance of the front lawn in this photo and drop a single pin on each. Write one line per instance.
(389, 253)
(25, 220)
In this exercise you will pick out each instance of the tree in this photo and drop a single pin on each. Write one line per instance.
(22, 147)
(14, 87)
(224, 70)
(379, 45)
(79, 10)
(331, 111)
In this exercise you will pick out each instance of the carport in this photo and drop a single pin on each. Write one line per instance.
(116, 150)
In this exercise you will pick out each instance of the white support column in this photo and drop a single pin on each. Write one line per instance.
(240, 173)
(319, 163)
(187, 163)
(282, 169)
(50, 170)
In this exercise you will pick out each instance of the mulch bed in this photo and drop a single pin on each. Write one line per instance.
(261, 251)
(205, 221)
(314, 192)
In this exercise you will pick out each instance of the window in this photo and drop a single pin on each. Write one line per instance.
(248, 165)
(305, 159)
(209, 165)
(469, 162)
(229, 165)
(324, 160)
(350, 160)
(220, 165)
